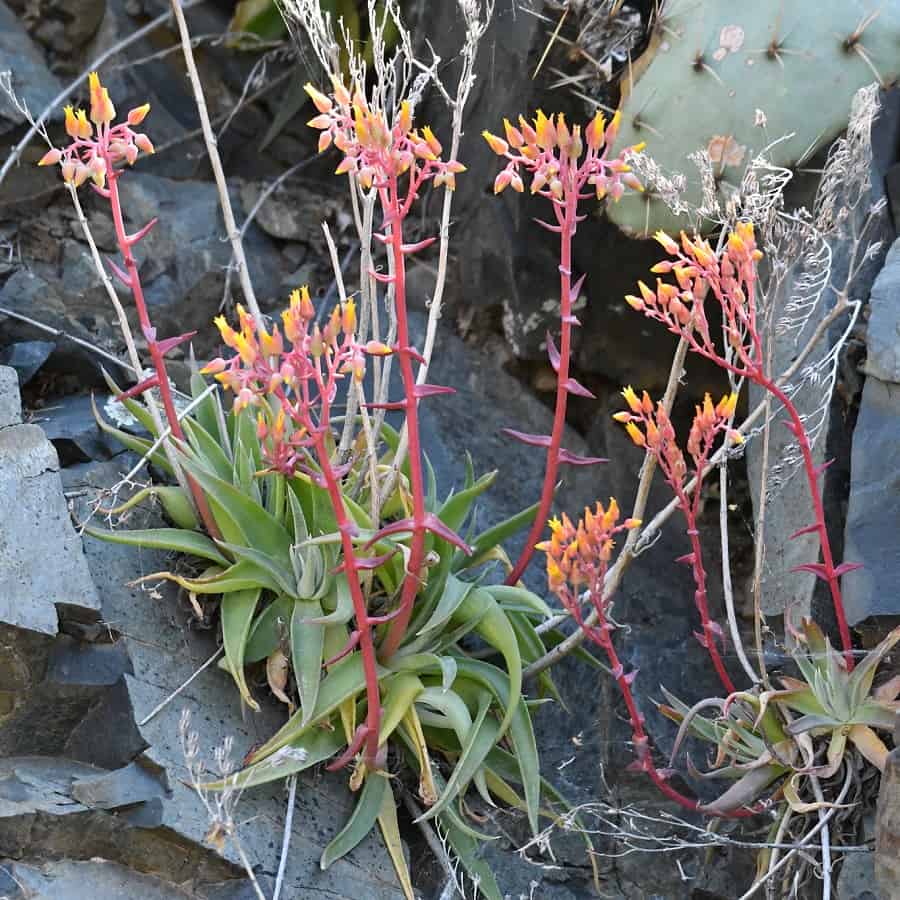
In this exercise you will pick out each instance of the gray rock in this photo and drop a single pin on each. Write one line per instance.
(74, 662)
(887, 825)
(883, 334)
(10, 401)
(135, 783)
(64, 26)
(37, 528)
(292, 213)
(873, 512)
(31, 80)
(27, 357)
(69, 424)
(97, 879)
(184, 257)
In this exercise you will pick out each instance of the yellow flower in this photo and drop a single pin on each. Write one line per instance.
(635, 434)
(102, 110)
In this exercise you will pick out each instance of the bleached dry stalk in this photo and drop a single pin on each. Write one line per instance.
(209, 138)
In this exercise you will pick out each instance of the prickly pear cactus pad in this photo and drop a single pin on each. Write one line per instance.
(733, 78)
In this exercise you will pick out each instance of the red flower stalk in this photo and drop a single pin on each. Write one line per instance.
(577, 561)
(653, 430)
(731, 277)
(396, 160)
(97, 147)
(564, 168)
(294, 388)
(578, 558)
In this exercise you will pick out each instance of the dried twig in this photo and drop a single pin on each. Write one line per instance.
(164, 703)
(263, 196)
(286, 840)
(805, 840)
(234, 234)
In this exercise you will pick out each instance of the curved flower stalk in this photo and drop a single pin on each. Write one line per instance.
(293, 388)
(652, 429)
(396, 160)
(565, 168)
(731, 278)
(578, 558)
(95, 153)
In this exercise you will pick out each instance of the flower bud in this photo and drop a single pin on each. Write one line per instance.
(143, 143)
(71, 122)
(102, 110)
(321, 102)
(498, 145)
(50, 158)
(138, 114)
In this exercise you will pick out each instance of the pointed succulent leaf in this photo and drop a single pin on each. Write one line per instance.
(521, 731)
(304, 753)
(191, 543)
(364, 816)
(237, 610)
(307, 643)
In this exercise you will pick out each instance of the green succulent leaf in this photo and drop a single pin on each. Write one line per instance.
(521, 731)
(278, 574)
(399, 692)
(238, 609)
(304, 753)
(482, 737)
(138, 445)
(493, 537)
(269, 629)
(364, 816)
(178, 540)
(468, 851)
(346, 679)
(307, 645)
(454, 594)
(494, 627)
(207, 449)
(257, 527)
(427, 662)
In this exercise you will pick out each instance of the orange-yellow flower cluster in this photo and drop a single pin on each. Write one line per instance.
(578, 555)
(291, 386)
(95, 149)
(375, 149)
(729, 275)
(551, 152)
(652, 429)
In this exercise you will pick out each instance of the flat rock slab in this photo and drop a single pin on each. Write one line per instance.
(42, 565)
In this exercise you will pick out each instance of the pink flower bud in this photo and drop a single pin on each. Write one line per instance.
(143, 143)
(50, 158)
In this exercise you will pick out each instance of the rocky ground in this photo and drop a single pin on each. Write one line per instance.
(92, 798)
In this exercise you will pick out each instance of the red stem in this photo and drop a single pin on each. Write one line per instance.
(812, 477)
(699, 572)
(397, 629)
(567, 232)
(360, 610)
(601, 634)
(159, 363)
